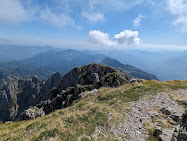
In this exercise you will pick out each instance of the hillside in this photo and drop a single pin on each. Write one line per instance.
(149, 110)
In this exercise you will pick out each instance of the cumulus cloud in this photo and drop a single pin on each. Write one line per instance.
(100, 38)
(124, 38)
(93, 17)
(128, 38)
(178, 8)
(137, 21)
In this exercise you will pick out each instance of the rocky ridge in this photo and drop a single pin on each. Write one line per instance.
(75, 82)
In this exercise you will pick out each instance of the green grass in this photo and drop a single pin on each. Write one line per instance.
(61, 112)
(47, 134)
(79, 121)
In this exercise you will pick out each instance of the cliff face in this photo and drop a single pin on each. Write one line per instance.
(52, 82)
(17, 95)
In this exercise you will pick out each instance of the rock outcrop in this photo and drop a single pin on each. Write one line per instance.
(75, 82)
(18, 95)
(52, 82)
(94, 74)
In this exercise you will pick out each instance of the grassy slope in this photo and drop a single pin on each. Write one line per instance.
(79, 121)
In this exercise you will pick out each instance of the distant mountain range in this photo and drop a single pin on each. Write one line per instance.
(19, 69)
(165, 65)
(45, 63)
(13, 52)
(64, 61)
(131, 70)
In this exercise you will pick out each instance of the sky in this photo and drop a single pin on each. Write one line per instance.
(95, 24)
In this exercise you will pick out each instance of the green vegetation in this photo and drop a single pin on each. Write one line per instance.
(79, 121)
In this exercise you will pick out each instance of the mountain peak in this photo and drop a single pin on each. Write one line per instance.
(94, 74)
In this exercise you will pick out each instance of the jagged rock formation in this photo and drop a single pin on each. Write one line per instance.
(17, 95)
(94, 74)
(52, 82)
(75, 82)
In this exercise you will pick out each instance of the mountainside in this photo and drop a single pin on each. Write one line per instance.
(17, 96)
(144, 111)
(13, 52)
(13, 71)
(64, 61)
(45, 63)
(165, 65)
(131, 70)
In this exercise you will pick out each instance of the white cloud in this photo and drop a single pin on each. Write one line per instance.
(137, 21)
(114, 5)
(126, 38)
(96, 9)
(178, 8)
(93, 17)
(59, 20)
(12, 11)
(100, 38)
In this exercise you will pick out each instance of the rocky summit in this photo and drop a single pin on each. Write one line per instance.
(57, 92)
(75, 82)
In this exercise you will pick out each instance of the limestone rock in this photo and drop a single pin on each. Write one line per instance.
(94, 74)
(52, 82)
(167, 134)
(75, 82)
(32, 113)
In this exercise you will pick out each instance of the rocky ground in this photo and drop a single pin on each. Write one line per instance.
(161, 114)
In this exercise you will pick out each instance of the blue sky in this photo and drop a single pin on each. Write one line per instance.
(95, 24)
